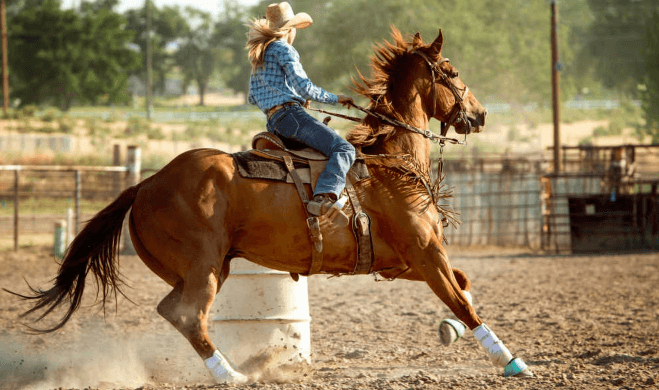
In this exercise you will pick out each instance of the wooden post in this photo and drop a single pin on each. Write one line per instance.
(77, 196)
(555, 86)
(5, 58)
(16, 210)
(149, 70)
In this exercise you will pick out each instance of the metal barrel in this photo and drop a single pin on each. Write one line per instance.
(261, 313)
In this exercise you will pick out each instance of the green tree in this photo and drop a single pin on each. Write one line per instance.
(651, 95)
(198, 52)
(616, 42)
(167, 27)
(62, 55)
(230, 37)
(501, 47)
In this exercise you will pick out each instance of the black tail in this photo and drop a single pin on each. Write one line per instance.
(93, 250)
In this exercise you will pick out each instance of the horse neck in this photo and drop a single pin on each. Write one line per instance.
(404, 141)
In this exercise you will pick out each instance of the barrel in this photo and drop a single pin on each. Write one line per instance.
(260, 314)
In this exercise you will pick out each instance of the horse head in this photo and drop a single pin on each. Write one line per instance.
(449, 99)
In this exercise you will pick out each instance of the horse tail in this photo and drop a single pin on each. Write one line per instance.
(93, 250)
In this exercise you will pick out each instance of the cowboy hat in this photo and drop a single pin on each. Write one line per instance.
(280, 16)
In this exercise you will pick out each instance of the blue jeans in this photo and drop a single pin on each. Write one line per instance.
(293, 122)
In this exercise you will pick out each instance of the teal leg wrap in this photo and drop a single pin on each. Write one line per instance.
(515, 367)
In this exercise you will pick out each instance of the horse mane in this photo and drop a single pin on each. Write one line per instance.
(387, 61)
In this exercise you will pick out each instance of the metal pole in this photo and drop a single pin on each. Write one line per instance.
(78, 192)
(134, 165)
(16, 210)
(555, 86)
(5, 60)
(149, 49)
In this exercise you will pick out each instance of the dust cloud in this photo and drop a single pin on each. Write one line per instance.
(96, 359)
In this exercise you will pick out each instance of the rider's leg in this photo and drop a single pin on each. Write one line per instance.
(295, 123)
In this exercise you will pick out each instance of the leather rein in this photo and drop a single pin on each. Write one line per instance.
(458, 113)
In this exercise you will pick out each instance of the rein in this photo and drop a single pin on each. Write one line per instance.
(434, 137)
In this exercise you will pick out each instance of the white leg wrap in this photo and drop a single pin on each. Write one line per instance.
(222, 371)
(467, 295)
(499, 354)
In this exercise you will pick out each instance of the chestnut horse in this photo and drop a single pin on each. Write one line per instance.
(197, 213)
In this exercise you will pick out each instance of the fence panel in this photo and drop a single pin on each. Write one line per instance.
(34, 198)
(496, 208)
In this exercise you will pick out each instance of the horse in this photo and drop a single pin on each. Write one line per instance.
(197, 213)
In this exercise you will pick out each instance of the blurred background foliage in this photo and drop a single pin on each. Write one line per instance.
(82, 56)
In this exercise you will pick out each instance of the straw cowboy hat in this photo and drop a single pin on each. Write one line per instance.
(280, 16)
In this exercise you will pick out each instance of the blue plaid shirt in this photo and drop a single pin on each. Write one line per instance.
(281, 79)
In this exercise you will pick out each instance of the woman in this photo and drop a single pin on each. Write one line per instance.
(279, 87)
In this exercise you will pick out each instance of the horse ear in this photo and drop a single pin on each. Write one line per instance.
(436, 45)
(417, 41)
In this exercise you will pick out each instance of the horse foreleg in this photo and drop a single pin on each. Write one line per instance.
(187, 308)
(438, 274)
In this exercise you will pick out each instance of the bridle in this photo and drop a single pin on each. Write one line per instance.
(457, 116)
(459, 111)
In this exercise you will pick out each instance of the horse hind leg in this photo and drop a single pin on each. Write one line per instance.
(187, 308)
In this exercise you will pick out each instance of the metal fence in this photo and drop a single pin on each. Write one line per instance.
(583, 212)
(36, 197)
(605, 199)
(502, 201)
(498, 200)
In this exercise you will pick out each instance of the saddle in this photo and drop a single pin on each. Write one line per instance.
(303, 165)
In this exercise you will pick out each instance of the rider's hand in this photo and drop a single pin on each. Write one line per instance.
(307, 104)
(346, 100)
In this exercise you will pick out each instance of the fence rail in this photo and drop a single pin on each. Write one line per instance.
(35, 197)
(502, 201)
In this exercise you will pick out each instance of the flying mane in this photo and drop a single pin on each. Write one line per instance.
(388, 60)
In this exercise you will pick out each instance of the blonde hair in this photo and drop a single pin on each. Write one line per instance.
(258, 39)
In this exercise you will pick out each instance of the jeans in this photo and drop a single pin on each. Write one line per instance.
(295, 123)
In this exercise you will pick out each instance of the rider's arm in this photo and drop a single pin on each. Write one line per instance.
(289, 60)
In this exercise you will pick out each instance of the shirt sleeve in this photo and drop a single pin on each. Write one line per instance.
(289, 60)
(250, 97)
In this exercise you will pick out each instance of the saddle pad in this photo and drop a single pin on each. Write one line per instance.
(257, 167)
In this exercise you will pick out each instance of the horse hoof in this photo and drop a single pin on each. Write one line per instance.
(524, 374)
(518, 369)
(232, 378)
(450, 331)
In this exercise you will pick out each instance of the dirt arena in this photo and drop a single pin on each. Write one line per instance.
(580, 322)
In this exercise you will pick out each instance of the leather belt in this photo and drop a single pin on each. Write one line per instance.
(278, 107)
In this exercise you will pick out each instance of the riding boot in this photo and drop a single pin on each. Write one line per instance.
(323, 204)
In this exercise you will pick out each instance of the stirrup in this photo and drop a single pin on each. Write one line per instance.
(322, 205)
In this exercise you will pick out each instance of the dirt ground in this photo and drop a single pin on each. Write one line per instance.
(580, 322)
